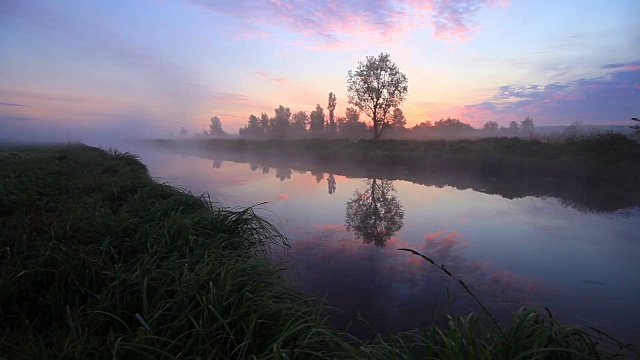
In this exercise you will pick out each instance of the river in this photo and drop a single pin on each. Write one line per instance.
(513, 250)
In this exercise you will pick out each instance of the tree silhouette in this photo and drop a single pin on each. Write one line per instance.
(299, 123)
(215, 128)
(264, 122)
(331, 107)
(490, 127)
(399, 119)
(316, 125)
(253, 129)
(351, 126)
(526, 126)
(279, 125)
(375, 214)
(376, 87)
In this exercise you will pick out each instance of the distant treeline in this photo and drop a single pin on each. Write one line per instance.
(302, 125)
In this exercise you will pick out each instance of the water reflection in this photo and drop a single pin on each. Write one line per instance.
(511, 253)
(331, 183)
(374, 214)
(586, 197)
(396, 291)
(283, 173)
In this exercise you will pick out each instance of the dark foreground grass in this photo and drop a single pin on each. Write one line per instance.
(99, 261)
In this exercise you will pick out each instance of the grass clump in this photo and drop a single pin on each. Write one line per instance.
(99, 261)
(531, 335)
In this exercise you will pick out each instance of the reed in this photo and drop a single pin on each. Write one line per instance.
(532, 334)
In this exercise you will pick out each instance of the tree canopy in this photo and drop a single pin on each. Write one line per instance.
(399, 119)
(215, 128)
(316, 125)
(377, 87)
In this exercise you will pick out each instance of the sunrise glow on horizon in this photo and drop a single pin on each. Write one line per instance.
(149, 67)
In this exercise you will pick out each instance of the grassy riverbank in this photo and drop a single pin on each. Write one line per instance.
(99, 261)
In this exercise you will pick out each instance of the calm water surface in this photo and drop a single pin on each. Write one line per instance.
(345, 233)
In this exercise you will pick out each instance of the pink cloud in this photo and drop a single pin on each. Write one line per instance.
(278, 80)
(442, 243)
(331, 24)
(282, 197)
(456, 20)
(229, 98)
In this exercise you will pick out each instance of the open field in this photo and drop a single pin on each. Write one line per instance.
(99, 261)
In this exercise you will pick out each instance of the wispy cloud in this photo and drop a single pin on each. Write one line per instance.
(278, 80)
(612, 98)
(456, 20)
(229, 98)
(338, 24)
(12, 104)
(15, 118)
(29, 96)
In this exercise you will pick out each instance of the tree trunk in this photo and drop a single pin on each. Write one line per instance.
(376, 130)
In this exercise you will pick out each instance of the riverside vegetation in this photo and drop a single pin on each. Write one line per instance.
(593, 173)
(595, 158)
(99, 261)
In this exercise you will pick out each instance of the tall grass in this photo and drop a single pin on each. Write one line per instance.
(99, 261)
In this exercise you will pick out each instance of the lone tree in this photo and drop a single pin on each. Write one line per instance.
(377, 87)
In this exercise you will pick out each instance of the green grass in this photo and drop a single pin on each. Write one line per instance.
(99, 261)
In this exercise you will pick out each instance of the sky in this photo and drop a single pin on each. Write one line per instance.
(144, 68)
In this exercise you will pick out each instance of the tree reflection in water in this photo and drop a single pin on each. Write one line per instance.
(375, 214)
(331, 182)
(283, 173)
